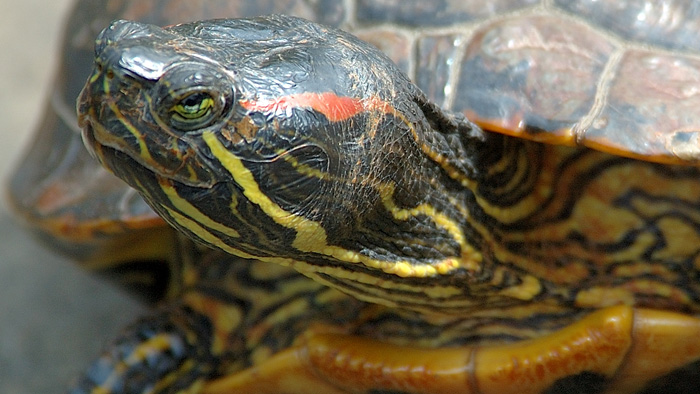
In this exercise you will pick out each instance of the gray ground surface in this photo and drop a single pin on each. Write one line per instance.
(53, 317)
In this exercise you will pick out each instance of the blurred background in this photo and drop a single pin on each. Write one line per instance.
(54, 318)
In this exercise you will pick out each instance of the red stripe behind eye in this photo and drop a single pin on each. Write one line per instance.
(334, 107)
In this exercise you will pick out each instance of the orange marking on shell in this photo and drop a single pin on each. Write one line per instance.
(332, 106)
(515, 127)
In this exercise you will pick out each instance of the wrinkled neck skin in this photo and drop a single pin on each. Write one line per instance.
(439, 217)
(555, 229)
(425, 229)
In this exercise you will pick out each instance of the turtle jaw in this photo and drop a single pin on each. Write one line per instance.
(103, 153)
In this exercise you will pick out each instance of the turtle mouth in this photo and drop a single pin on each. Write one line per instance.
(89, 126)
(105, 147)
(127, 167)
(110, 158)
(89, 140)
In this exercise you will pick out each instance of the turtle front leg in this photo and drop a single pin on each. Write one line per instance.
(165, 352)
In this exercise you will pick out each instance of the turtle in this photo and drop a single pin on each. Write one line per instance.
(504, 200)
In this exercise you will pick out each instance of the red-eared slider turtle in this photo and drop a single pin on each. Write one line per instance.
(366, 237)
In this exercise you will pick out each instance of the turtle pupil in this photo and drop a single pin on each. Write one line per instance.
(193, 100)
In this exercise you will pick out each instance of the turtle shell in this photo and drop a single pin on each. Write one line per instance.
(620, 77)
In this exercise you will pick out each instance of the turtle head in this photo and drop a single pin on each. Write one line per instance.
(283, 140)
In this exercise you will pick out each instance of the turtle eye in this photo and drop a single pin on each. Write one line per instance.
(191, 96)
(193, 107)
(195, 110)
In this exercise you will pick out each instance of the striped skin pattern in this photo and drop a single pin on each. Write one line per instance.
(368, 188)
(236, 313)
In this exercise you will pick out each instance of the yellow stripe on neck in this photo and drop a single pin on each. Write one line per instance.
(184, 206)
(311, 236)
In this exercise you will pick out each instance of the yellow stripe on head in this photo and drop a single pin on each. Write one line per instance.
(191, 211)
